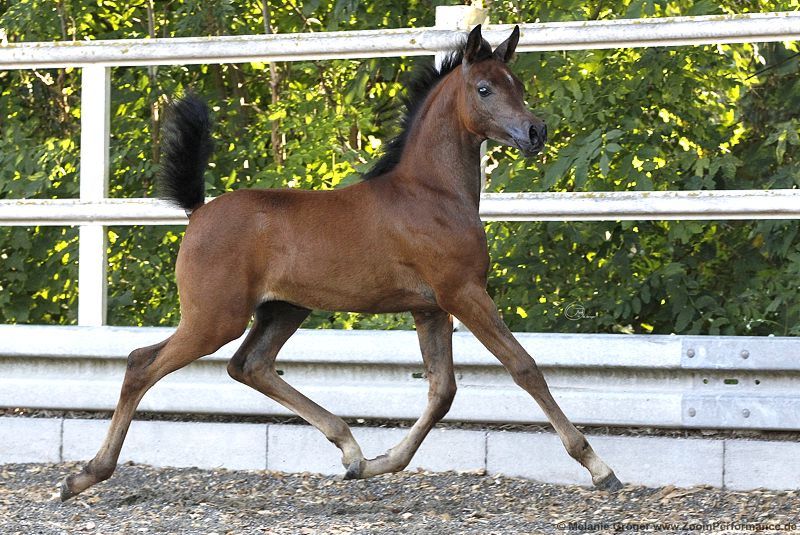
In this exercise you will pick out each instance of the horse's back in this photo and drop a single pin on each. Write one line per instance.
(320, 249)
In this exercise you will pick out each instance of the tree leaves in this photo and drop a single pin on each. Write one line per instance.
(705, 117)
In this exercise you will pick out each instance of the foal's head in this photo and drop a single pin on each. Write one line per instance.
(492, 104)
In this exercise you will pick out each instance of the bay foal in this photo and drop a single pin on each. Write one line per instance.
(407, 238)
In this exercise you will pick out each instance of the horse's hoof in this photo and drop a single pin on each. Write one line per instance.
(355, 470)
(66, 493)
(610, 483)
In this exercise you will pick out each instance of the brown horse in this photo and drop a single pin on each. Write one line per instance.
(408, 238)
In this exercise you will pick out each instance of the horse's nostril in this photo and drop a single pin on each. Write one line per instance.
(537, 134)
(533, 135)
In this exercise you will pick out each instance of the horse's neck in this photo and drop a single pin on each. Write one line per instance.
(440, 152)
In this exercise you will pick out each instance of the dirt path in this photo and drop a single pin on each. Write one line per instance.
(142, 499)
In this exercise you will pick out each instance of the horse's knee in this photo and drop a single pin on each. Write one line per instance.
(444, 396)
(242, 367)
(236, 369)
(450, 391)
(527, 375)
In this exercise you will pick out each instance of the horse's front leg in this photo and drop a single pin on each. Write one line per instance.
(435, 333)
(254, 365)
(473, 306)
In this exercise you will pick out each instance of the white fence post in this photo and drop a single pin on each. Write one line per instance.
(95, 110)
(458, 18)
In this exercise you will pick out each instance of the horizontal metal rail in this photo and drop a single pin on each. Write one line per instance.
(560, 206)
(667, 31)
(642, 205)
(661, 381)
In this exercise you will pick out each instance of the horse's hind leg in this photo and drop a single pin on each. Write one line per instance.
(145, 367)
(473, 306)
(435, 332)
(254, 365)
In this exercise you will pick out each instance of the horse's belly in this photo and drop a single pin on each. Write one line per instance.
(351, 293)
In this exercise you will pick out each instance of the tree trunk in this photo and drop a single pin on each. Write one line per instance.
(151, 75)
(274, 86)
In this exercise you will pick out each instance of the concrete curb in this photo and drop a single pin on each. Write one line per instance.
(653, 461)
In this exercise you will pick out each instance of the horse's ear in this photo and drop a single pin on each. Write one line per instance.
(505, 50)
(474, 44)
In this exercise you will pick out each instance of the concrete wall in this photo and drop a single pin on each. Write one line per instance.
(653, 461)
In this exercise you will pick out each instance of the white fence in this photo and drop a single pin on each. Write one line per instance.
(600, 379)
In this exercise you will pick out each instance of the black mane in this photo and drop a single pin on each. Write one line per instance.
(417, 90)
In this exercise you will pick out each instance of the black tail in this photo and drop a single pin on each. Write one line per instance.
(185, 149)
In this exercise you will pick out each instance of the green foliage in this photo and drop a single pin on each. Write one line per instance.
(709, 117)
(705, 117)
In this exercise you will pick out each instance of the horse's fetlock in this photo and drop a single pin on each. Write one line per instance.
(100, 470)
(339, 434)
(577, 449)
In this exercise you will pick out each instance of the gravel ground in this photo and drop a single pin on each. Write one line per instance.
(142, 499)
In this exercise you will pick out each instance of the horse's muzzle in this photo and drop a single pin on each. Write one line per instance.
(530, 138)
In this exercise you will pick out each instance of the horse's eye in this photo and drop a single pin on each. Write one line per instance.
(484, 91)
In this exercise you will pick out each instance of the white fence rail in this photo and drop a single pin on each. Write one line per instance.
(600, 379)
(544, 206)
(668, 31)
